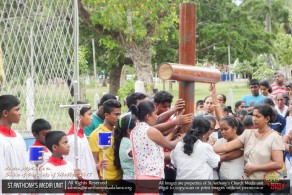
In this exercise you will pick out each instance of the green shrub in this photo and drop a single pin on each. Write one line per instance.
(127, 89)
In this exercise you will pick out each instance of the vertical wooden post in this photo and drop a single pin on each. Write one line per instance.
(187, 55)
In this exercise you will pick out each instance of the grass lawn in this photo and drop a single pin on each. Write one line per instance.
(239, 90)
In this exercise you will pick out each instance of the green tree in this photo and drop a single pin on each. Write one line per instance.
(222, 23)
(258, 10)
(109, 55)
(255, 68)
(148, 30)
(133, 25)
(283, 45)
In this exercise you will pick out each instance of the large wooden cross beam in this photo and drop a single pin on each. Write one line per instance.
(185, 71)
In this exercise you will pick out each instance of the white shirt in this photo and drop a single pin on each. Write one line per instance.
(15, 159)
(231, 169)
(57, 169)
(197, 166)
(85, 162)
(284, 110)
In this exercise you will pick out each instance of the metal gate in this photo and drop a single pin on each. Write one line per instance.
(36, 58)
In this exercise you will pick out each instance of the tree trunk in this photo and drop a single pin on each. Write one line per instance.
(114, 79)
(123, 76)
(141, 56)
(104, 82)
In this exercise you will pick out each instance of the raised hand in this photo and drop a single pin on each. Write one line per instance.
(180, 104)
(212, 89)
(184, 119)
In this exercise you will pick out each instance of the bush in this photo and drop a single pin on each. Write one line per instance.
(127, 89)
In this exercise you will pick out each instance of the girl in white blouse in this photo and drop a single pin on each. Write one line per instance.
(147, 147)
(193, 158)
(230, 169)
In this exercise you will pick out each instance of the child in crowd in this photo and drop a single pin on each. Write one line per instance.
(227, 111)
(112, 112)
(12, 145)
(213, 134)
(248, 123)
(200, 107)
(123, 148)
(149, 160)
(98, 116)
(232, 169)
(135, 98)
(57, 167)
(39, 129)
(192, 149)
(241, 114)
(239, 105)
(85, 159)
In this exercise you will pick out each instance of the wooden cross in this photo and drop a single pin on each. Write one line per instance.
(186, 72)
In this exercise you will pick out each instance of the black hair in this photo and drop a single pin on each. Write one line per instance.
(144, 108)
(199, 127)
(224, 97)
(288, 84)
(82, 111)
(53, 138)
(199, 102)
(242, 113)
(40, 124)
(266, 84)
(285, 97)
(7, 102)
(254, 82)
(132, 98)
(287, 113)
(210, 118)
(265, 110)
(207, 98)
(247, 121)
(232, 122)
(238, 103)
(269, 102)
(227, 109)
(281, 74)
(126, 122)
(106, 97)
(163, 97)
(110, 105)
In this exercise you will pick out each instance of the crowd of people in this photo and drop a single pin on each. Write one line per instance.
(244, 143)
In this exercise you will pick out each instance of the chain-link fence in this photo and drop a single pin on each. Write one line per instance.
(36, 58)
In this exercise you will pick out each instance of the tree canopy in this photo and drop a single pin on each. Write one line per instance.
(147, 31)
